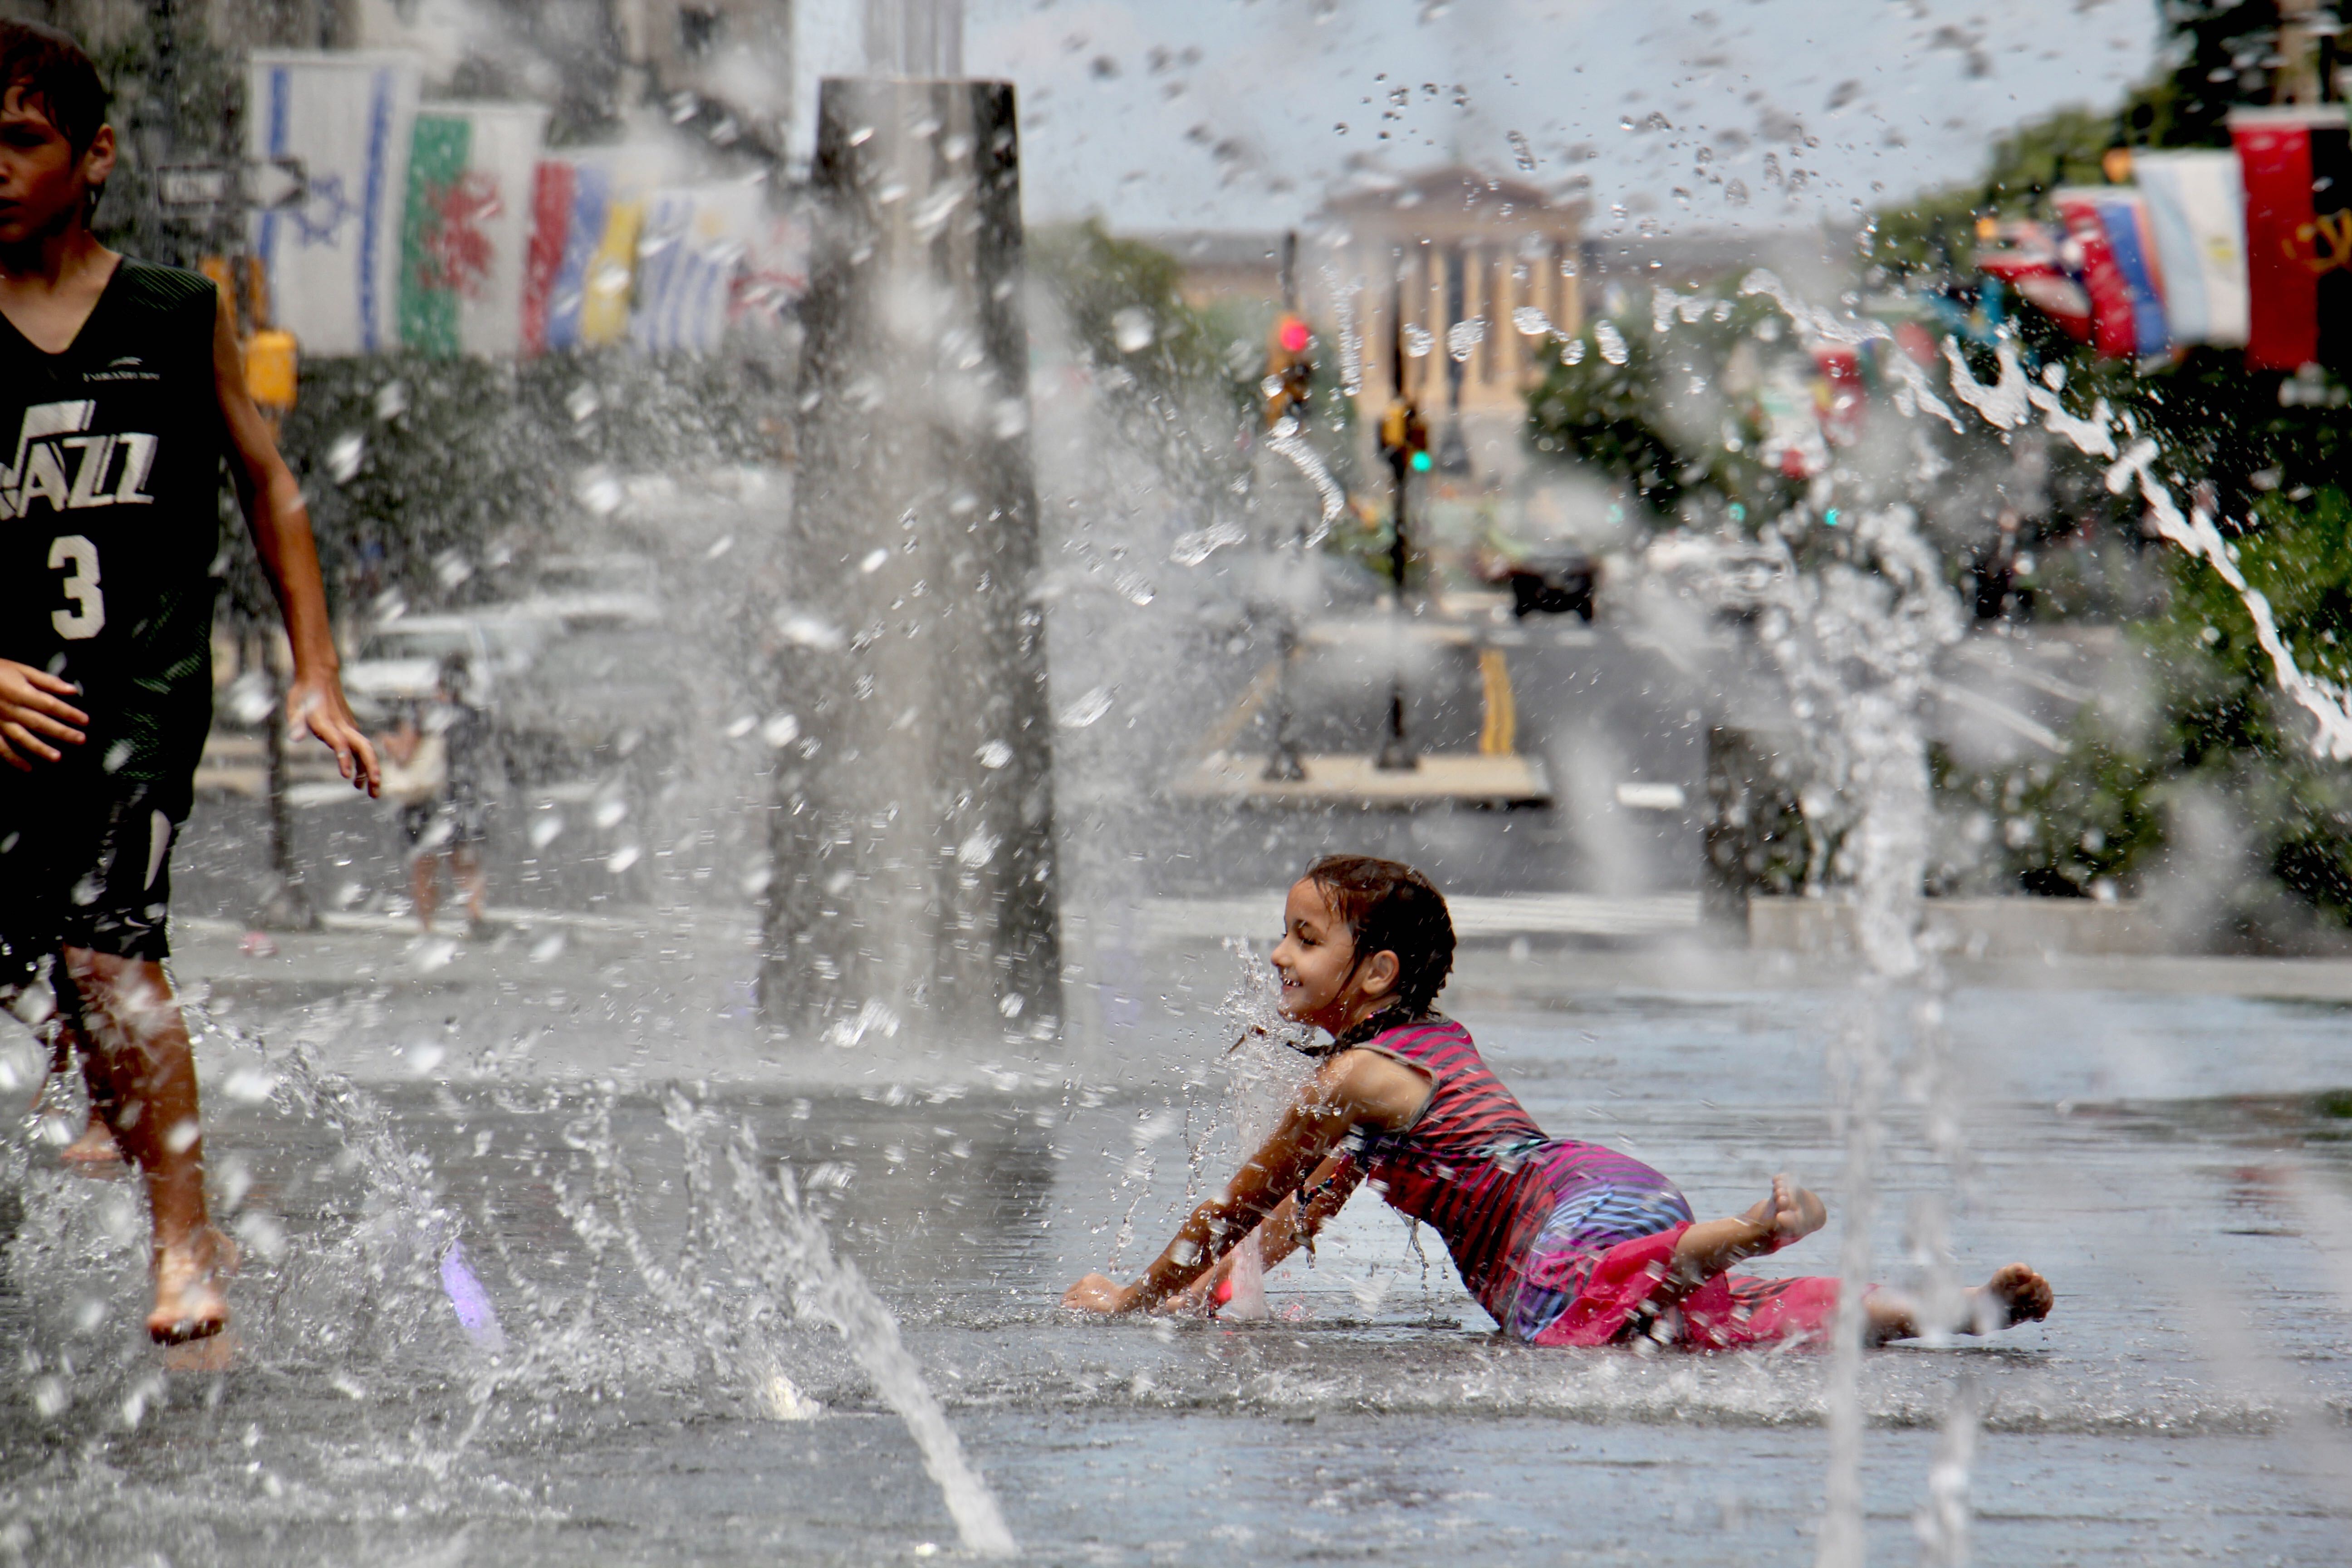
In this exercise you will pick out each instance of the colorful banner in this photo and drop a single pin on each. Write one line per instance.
(2126, 313)
(466, 232)
(584, 251)
(332, 260)
(2298, 170)
(554, 188)
(689, 259)
(2197, 209)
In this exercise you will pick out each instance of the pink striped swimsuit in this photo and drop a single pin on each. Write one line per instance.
(1563, 1242)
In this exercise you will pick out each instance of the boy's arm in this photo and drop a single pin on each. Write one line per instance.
(282, 532)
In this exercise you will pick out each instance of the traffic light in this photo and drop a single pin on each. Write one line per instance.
(1290, 365)
(1405, 438)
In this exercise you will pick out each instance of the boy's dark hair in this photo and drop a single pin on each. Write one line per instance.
(56, 78)
(1389, 906)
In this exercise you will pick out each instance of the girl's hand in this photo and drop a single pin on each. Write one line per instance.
(1199, 1299)
(1096, 1293)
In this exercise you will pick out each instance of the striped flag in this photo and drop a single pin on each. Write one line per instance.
(2197, 209)
(2297, 169)
(689, 256)
(583, 256)
(2127, 310)
(467, 229)
(333, 261)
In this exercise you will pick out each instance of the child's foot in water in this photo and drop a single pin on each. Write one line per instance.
(189, 1304)
(2015, 1294)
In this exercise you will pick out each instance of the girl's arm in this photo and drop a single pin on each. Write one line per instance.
(1286, 1230)
(1354, 1087)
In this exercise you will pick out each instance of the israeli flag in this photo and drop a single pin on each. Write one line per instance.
(333, 261)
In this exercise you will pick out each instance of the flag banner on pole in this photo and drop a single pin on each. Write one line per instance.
(583, 254)
(554, 187)
(2197, 209)
(333, 261)
(775, 268)
(689, 257)
(2123, 212)
(465, 232)
(2297, 172)
(2115, 314)
(2025, 256)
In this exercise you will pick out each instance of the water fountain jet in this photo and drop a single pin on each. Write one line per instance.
(912, 839)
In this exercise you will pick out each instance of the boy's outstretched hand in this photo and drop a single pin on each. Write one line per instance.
(318, 702)
(32, 712)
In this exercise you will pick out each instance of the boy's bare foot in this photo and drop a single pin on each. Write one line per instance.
(189, 1304)
(95, 1146)
(2015, 1294)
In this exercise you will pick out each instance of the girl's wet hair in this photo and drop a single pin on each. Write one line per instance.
(1389, 906)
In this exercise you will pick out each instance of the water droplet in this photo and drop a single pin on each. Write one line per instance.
(1133, 328)
(621, 859)
(250, 1085)
(1087, 710)
(781, 731)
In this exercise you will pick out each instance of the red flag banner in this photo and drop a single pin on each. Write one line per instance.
(2298, 176)
(2114, 330)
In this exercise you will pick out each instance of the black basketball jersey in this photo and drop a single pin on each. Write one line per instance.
(110, 520)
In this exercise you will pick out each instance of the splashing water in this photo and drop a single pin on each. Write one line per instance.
(1289, 441)
(765, 1228)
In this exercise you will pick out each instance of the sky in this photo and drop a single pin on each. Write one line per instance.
(1242, 114)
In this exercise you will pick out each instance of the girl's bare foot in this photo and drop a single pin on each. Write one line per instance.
(1790, 1213)
(95, 1146)
(189, 1304)
(2015, 1294)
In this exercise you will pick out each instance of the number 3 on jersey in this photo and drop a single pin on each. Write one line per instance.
(76, 557)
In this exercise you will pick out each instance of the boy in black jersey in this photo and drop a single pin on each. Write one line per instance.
(122, 389)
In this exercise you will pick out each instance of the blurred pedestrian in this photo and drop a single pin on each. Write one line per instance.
(439, 765)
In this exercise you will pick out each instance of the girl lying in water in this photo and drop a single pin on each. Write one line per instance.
(1565, 1243)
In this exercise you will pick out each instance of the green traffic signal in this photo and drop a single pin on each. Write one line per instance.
(1421, 462)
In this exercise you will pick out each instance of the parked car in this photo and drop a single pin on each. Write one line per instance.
(1552, 580)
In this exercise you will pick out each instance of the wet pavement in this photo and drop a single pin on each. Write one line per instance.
(2179, 1165)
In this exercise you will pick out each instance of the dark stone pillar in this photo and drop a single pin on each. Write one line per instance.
(913, 887)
